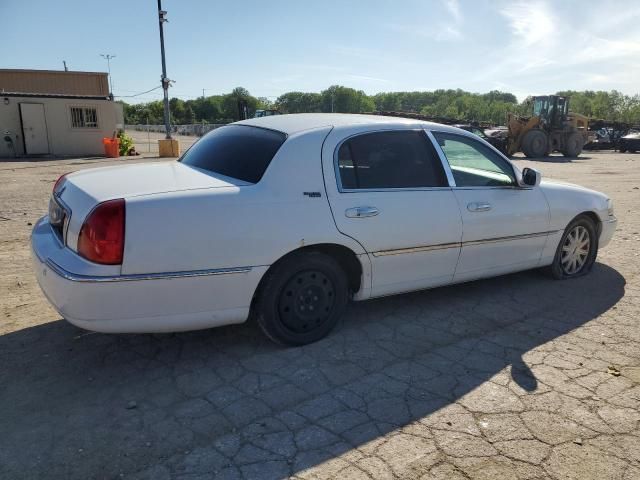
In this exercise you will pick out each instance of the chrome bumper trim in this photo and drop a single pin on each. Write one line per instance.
(74, 277)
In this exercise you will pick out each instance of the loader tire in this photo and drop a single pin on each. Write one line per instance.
(535, 144)
(573, 146)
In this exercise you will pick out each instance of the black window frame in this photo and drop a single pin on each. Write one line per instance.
(429, 145)
(484, 146)
(284, 136)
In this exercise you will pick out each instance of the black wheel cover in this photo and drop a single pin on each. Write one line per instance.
(306, 302)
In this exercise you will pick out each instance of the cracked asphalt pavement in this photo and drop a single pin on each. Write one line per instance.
(514, 377)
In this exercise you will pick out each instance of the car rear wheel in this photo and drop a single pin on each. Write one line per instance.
(302, 298)
(577, 250)
(535, 144)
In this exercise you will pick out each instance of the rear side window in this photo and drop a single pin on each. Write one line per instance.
(394, 159)
(237, 151)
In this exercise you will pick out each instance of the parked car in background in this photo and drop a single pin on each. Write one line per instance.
(289, 217)
(629, 143)
(266, 113)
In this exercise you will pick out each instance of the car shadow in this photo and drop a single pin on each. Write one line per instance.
(227, 402)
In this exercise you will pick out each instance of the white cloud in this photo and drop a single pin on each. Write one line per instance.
(532, 23)
(442, 33)
(445, 30)
(549, 47)
(454, 9)
(366, 78)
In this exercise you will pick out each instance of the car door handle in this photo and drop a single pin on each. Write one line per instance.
(479, 207)
(361, 212)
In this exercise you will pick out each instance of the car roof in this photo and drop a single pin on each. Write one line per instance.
(297, 122)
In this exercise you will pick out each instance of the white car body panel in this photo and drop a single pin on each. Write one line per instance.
(409, 219)
(219, 234)
(197, 244)
(141, 305)
(86, 188)
(518, 221)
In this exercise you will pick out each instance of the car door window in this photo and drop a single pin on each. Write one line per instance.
(392, 159)
(473, 164)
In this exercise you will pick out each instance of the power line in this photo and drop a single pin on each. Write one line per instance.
(138, 94)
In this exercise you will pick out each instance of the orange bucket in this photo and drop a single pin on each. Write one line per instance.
(111, 147)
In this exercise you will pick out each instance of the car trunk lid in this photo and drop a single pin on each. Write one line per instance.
(81, 191)
(125, 181)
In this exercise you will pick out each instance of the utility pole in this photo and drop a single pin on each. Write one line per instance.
(165, 81)
(108, 57)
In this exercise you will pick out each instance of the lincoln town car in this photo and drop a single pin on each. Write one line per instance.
(288, 218)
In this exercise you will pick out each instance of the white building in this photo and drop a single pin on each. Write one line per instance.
(45, 112)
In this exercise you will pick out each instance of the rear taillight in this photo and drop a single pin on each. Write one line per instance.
(59, 182)
(101, 237)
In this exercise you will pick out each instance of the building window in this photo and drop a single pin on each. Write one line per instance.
(84, 117)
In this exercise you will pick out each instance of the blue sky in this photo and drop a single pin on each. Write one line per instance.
(271, 47)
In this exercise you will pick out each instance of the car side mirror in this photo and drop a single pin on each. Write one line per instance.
(531, 177)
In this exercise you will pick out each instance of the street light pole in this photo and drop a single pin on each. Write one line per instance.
(165, 81)
(108, 57)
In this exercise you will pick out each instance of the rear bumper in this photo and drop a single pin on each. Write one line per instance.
(608, 228)
(100, 299)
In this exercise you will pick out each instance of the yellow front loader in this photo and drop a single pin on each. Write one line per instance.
(551, 127)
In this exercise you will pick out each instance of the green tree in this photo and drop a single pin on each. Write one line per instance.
(177, 109)
(299, 102)
(232, 103)
(455, 104)
(346, 100)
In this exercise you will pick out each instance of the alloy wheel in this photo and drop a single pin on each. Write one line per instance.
(575, 250)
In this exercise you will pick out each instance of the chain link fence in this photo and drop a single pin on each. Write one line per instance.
(145, 137)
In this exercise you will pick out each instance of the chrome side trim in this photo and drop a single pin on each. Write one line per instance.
(442, 246)
(511, 237)
(426, 248)
(74, 277)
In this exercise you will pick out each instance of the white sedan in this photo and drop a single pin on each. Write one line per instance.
(289, 217)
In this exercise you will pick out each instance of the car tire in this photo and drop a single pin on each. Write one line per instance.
(581, 229)
(302, 298)
(573, 145)
(622, 150)
(535, 144)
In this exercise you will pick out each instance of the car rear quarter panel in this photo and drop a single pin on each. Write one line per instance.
(236, 226)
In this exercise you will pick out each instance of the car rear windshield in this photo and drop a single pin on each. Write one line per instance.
(237, 151)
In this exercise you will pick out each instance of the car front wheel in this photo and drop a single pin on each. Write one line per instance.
(577, 250)
(302, 298)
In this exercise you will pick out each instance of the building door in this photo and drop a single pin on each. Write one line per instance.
(34, 128)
